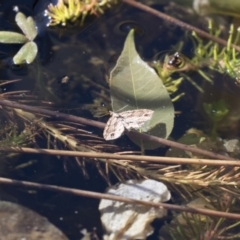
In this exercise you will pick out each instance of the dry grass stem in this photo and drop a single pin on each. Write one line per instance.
(74, 119)
(96, 195)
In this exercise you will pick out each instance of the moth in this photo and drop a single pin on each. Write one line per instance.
(118, 123)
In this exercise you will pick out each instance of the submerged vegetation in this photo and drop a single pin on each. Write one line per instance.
(29, 50)
(59, 124)
(72, 10)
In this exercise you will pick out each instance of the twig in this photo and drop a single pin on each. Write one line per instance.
(168, 160)
(179, 23)
(91, 194)
(6, 94)
(9, 81)
(181, 146)
(85, 121)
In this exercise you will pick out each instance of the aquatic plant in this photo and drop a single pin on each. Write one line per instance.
(196, 226)
(12, 137)
(72, 10)
(135, 85)
(178, 63)
(216, 111)
(224, 60)
(29, 50)
(170, 65)
(207, 179)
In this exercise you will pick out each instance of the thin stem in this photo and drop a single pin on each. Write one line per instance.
(85, 121)
(138, 158)
(179, 23)
(91, 194)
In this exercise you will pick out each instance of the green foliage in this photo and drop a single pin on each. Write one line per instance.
(12, 37)
(216, 111)
(180, 64)
(69, 11)
(224, 60)
(27, 26)
(11, 137)
(27, 53)
(135, 85)
(198, 227)
(29, 50)
(171, 65)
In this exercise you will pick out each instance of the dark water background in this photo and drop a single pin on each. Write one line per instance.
(68, 52)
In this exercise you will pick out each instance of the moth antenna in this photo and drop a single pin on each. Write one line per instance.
(105, 114)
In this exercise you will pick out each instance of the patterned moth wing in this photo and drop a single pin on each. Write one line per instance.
(127, 120)
(114, 127)
(134, 119)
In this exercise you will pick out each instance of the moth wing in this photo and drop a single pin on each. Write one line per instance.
(130, 124)
(113, 129)
(134, 119)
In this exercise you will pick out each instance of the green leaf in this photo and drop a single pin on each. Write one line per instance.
(12, 37)
(27, 53)
(27, 25)
(216, 110)
(135, 85)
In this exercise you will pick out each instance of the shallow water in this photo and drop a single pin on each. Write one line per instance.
(82, 54)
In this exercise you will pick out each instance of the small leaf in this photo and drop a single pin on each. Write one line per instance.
(216, 110)
(27, 53)
(135, 85)
(12, 37)
(27, 25)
